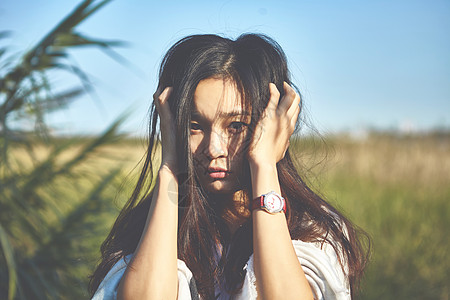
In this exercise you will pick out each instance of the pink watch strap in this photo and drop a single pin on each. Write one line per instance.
(258, 202)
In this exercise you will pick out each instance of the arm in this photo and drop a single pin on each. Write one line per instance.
(278, 272)
(152, 273)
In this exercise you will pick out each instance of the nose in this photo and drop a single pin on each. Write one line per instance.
(217, 145)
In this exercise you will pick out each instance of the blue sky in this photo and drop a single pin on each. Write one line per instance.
(359, 64)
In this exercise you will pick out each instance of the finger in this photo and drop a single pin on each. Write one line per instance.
(157, 93)
(156, 96)
(288, 98)
(161, 102)
(295, 106)
(294, 117)
(165, 94)
(274, 97)
(285, 150)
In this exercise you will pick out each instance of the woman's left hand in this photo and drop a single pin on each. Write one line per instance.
(271, 138)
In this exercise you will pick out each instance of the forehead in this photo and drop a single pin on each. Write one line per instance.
(216, 96)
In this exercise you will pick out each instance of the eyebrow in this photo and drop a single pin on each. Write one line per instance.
(225, 115)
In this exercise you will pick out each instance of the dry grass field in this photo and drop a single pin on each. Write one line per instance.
(397, 189)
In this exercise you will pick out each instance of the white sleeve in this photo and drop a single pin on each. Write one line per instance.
(321, 268)
(107, 289)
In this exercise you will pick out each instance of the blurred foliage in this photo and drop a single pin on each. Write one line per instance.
(51, 205)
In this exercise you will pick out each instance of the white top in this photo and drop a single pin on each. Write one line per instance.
(319, 262)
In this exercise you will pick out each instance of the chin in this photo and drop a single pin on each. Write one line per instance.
(218, 188)
(221, 187)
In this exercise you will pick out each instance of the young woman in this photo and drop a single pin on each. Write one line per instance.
(228, 217)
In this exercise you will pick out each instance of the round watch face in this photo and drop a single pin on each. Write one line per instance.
(273, 203)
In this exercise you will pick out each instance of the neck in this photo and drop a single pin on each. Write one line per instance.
(233, 208)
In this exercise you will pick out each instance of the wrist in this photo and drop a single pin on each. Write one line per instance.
(167, 185)
(167, 169)
(262, 165)
(264, 176)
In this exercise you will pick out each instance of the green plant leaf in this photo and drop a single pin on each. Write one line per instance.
(8, 253)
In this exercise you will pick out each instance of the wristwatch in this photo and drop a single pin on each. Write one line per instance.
(271, 202)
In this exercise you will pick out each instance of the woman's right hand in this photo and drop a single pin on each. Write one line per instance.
(167, 125)
(152, 272)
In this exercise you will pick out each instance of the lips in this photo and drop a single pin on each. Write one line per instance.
(217, 172)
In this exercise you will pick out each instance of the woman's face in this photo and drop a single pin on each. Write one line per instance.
(218, 141)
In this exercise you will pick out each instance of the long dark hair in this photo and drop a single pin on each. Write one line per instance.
(251, 62)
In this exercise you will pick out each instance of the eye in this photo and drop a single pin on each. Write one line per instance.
(236, 127)
(195, 127)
